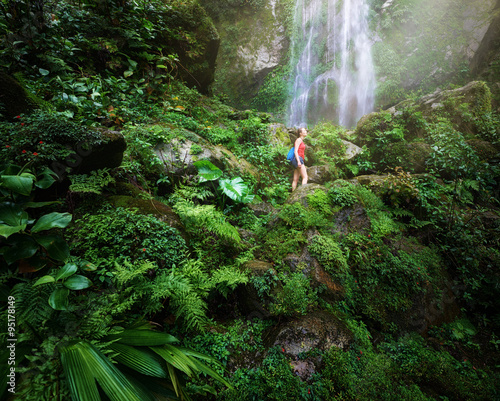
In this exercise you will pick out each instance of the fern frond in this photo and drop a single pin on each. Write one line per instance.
(192, 309)
(227, 278)
(186, 302)
(94, 183)
(197, 218)
(129, 271)
(32, 307)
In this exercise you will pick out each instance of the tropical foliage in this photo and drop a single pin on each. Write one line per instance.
(143, 280)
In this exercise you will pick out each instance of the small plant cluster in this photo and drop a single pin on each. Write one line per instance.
(399, 189)
(122, 234)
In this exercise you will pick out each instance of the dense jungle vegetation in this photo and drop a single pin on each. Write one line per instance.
(151, 248)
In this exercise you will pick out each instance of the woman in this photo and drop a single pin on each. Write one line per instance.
(298, 161)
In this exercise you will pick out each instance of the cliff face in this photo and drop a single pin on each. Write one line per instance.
(254, 43)
(417, 45)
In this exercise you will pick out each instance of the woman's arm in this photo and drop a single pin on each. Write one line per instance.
(297, 144)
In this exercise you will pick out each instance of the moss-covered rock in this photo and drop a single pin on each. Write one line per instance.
(410, 156)
(302, 192)
(178, 158)
(13, 98)
(319, 330)
(161, 211)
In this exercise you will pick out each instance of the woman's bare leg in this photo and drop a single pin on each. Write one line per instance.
(303, 173)
(296, 175)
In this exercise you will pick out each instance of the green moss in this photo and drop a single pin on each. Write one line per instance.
(330, 255)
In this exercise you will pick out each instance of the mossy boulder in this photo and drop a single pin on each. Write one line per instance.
(301, 193)
(485, 150)
(317, 331)
(368, 126)
(179, 155)
(13, 98)
(161, 211)
(410, 156)
(331, 290)
(280, 135)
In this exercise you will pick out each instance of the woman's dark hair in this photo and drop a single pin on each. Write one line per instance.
(298, 130)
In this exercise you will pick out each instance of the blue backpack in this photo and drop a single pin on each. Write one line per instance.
(291, 154)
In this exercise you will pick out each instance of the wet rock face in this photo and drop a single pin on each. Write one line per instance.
(320, 330)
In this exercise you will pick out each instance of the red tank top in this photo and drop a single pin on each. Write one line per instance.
(301, 150)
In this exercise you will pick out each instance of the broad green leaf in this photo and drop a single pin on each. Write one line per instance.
(44, 280)
(209, 371)
(56, 246)
(58, 300)
(142, 360)
(87, 266)
(43, 72)
(79, 375)
(236, 189)
(128, 73)
(6, 231)
(66, 271)
(142, 337)
(45, 181)
(18, 184)
(207, 171)
(51, 220)
(22, 246)
(12, 214)
(38, 204)
(77, 282)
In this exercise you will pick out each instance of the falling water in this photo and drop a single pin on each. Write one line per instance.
(334, 77)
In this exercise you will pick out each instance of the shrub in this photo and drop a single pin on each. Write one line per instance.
(125, 234)
(295, 298)
(342, 194)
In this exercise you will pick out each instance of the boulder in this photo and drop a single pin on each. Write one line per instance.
(319, 331)
(410, 156)
(279, 135)
(429, 308)
(351, 150)
(352, 219)
(262, 208)
(13, 98)
(89, 155)
(318, 174)
(331, 290)
(179, 155)
(485, 150)
(150, 206)
(368, 180)
(301, 192)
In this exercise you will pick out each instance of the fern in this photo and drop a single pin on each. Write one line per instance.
(186, 302)
(190, 193)
(206, 218)
(91, 184)
(32, 308)
(227, 278)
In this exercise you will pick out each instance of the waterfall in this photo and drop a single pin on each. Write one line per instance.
(333, 74)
